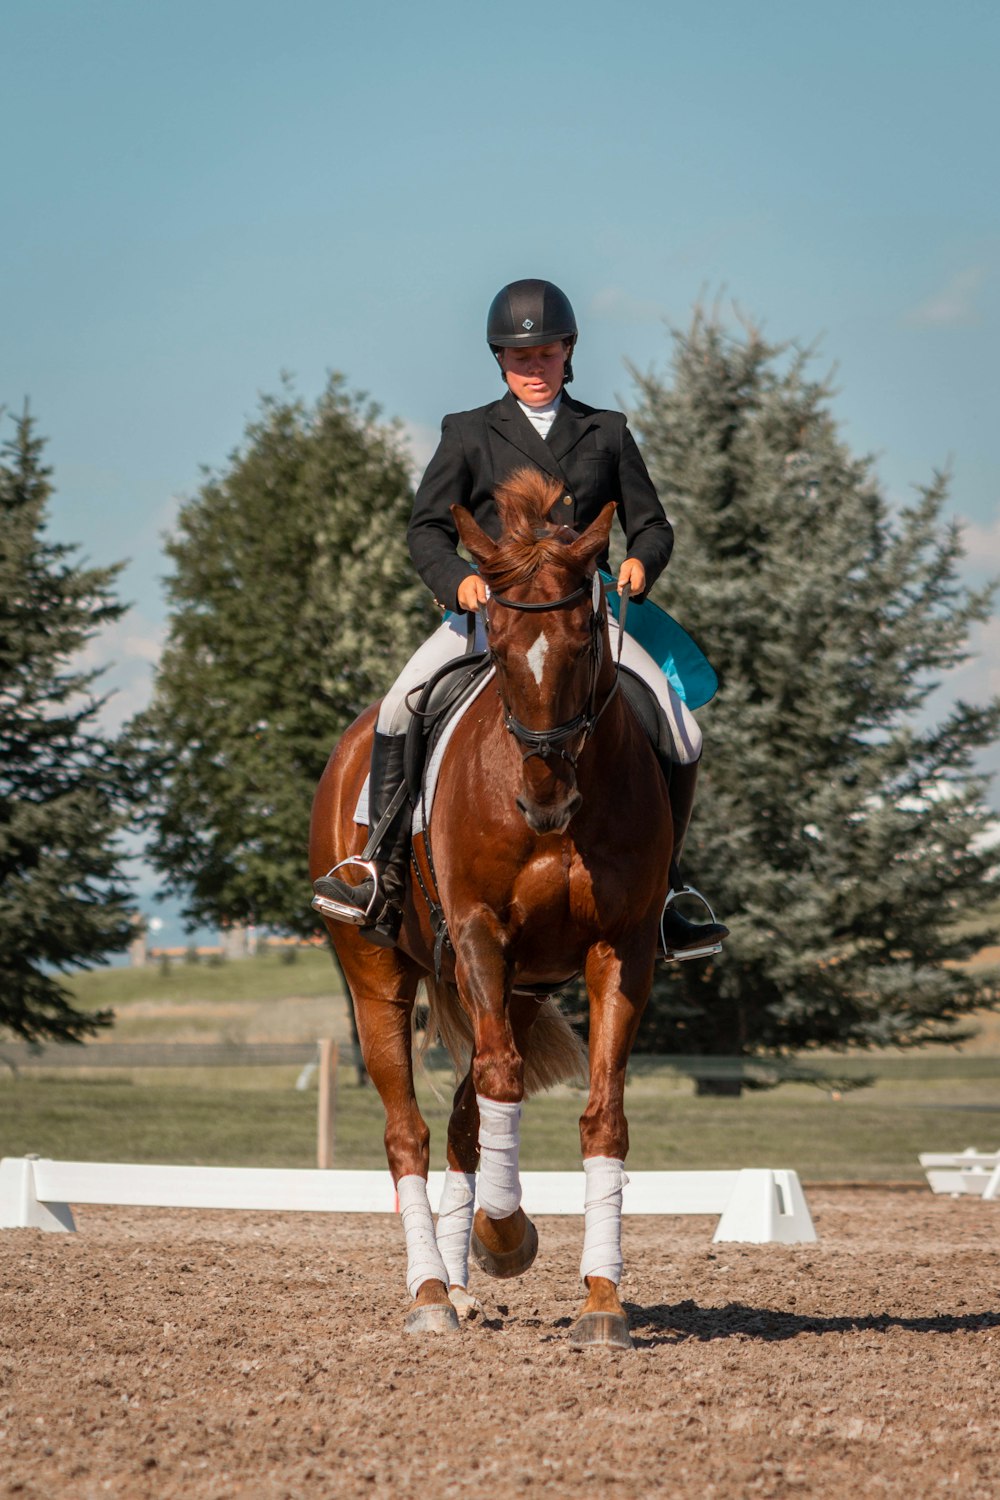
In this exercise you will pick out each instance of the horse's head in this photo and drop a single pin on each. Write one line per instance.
(547, 629)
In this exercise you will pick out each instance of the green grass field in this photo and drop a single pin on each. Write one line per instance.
(273, 974)
(266, 998)
(255, 1116)
(935, 1100)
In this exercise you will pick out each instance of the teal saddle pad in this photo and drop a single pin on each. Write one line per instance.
(684, 664)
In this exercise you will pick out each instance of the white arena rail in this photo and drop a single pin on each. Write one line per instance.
(755, 1206)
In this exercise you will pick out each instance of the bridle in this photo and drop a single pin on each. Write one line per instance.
(552, 742)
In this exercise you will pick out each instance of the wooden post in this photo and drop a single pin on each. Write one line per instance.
(326, 1133)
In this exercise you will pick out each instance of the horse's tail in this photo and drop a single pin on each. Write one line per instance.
(555, 1053)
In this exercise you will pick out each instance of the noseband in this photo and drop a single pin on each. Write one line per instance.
(552, 742)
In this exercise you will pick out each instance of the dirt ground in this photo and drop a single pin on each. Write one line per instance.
(168, 1354)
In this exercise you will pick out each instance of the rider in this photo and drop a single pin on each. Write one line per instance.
(531, 330)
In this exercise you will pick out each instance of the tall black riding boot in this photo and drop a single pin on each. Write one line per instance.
(682, 938)
(376, 907)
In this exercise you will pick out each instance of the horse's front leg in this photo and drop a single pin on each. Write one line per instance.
(618, 983)
(455, 1221)
(504, 1241)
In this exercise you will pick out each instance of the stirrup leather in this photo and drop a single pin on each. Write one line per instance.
(702, 950)
(327, 906)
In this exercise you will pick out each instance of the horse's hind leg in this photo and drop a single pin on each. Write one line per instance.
(384, 989)
(458, 1199)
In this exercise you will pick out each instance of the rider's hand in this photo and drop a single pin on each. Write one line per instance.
(471, 593)
(632, 572)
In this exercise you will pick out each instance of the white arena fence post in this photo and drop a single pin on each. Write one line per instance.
(968, 1173)
(20, 1205)
(753, 1206)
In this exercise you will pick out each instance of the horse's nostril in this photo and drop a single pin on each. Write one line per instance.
(549, 819)
(538, 819)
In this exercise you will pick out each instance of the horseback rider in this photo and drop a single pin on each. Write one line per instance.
(532, 333)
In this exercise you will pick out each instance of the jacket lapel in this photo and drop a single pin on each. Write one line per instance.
(568, 428)
(507, 419)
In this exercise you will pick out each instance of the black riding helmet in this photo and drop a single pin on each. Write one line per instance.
(526, 314)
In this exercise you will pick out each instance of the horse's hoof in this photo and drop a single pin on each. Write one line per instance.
(503, 1264)
(434, 1317)
(464, 1303)
(602, 1330)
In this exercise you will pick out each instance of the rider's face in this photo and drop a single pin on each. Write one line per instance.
(535, 375)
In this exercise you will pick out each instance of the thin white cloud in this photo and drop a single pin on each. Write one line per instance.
(129, 651)
(982, 544)
(143, 647)
(420, 442)
(612, 302)
(979, 678)
(977, 681)
(166, 518)
(954, 306)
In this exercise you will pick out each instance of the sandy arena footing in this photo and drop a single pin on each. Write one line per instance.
(182, 1354)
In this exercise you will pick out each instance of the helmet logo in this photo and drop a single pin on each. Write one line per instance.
(527, 323)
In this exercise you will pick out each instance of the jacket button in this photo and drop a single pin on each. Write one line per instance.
(567, 499)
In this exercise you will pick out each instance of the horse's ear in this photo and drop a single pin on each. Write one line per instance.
(474, 538)
(594, 539)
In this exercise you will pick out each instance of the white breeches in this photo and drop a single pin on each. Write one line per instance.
(449, 641)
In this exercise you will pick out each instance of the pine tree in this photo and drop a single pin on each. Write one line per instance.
(64, 791)
(838, 829)
(293, 604)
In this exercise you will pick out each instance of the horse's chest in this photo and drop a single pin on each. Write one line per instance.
(558, 894)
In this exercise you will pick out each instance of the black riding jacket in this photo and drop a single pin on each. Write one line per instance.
(590, 451)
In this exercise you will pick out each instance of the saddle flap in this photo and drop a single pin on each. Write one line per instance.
(440, 698)
(648, 711)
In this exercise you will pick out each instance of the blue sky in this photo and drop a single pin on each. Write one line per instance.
(197, 197)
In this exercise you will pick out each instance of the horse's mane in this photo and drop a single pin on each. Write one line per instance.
(529, 539)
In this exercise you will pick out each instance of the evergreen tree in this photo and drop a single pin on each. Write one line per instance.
(293, 604)
(64, 790)
(837, 828)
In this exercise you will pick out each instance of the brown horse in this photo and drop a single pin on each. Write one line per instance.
(551, 834)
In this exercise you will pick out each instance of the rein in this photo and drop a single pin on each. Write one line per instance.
(549, 742)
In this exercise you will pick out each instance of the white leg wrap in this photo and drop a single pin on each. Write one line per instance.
(423, 1260)
(602, 1213)
(454, 1225)
(499, 1141)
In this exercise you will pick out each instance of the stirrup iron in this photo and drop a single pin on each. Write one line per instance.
(327, 906)
(703, 950)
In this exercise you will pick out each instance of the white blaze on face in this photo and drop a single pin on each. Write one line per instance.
(536, 657)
